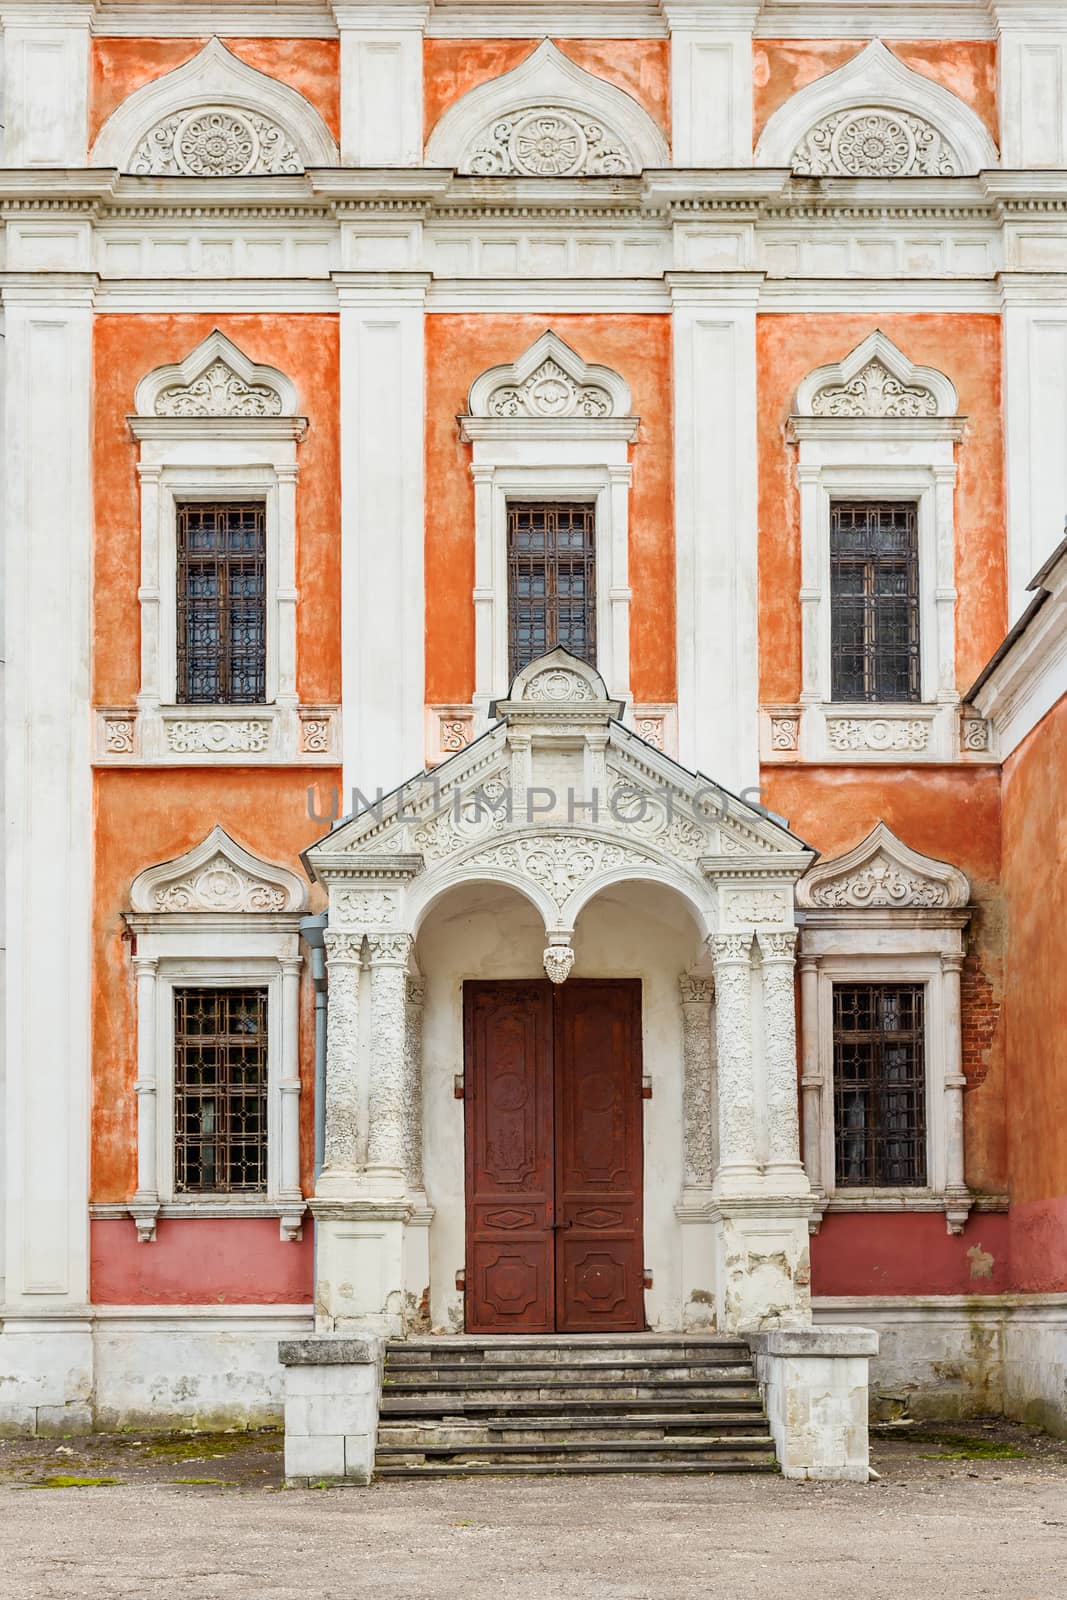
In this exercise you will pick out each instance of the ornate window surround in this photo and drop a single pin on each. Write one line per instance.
(548, 80)
(232, 920)
(882, 913)
(878, 79)
(864, 455)
(578, 448)
(199, 446)
(214, 79)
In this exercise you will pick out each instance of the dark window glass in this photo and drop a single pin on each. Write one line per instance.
(874, 601)
(551, 581)
(220, 1091)
(879, 1085)
(222, 597)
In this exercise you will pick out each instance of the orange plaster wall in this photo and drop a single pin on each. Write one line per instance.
(967, 349)
(306, 348)
(1035, 886)
(952, 815)
(452, 67)
(153, 815)
(120, 66)
(968, 67)
(458, 349)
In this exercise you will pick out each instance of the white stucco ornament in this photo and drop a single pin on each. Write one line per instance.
(559, 962)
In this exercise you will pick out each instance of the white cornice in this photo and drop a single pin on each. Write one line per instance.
(1030, 676)
(905, 19)
(538, 19)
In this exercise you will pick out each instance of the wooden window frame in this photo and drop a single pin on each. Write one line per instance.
(871, 564)
(877, 1090)
(227, 565)
(553, 563)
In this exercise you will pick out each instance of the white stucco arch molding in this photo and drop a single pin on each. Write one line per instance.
(937, 133)
(216, 379)
(215, 116)
(877, 380)
(882, 873)
(547, 118)
(218, 876)
(550, 382)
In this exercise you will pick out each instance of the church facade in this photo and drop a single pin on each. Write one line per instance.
(536, 642)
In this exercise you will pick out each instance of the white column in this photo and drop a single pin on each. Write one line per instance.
(716, 524)
(1035, 423)
(340, 1175)
(387, 1140)
(621, 595)
(413, 1129)
(288, 594)
(812, 1079)
(813, 689)
(289, 1190)
(45, 52)
(486, 622)
(733, 1028)
(958, 1199)
(381, 82)
(711, 81)
(48, 812)
(382, 527)
(699, 1085)
(780, 1048)
(144, 1206)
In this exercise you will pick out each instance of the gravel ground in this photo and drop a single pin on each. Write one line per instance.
(959, 1512)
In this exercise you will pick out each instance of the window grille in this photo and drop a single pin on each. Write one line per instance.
(220, 1091)
(874, 601)
(222, 601)
(879, 1085)
(551, 581)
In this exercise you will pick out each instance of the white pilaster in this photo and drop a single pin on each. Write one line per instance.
(711, 81)
(1035, 423)
(382, 527)
(45, 52)
(1033, 82)
(811, 1080)
(381, 82)
(48, 811)
(145, 1203)
(716, 523)
(289, 1190)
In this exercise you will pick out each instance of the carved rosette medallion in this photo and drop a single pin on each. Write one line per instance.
(550, 392)
(874, 142)
(216, 142)
(549, 142)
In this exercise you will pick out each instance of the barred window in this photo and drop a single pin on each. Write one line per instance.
(551, 581)
(222, 601)
(879, 1085)
(220, 1091)
(874, 601)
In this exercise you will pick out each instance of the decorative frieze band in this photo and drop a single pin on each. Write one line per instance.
(277, 735)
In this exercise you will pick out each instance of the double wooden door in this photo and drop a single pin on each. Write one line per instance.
(554, 1157)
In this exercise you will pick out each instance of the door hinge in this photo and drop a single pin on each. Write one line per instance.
(459, 1086)
(646, 1088)
(461, 1280)
(648, 1278)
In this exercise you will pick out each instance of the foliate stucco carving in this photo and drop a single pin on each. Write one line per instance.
(650, 816)
(757, 905)
(549, 142)
(780, 1045)
(875, 142)
(415, 992)
(875, 392)
(558, 684)
(375, 908)
(882, 883)
(559, 962)
(559, 863)
(390, 949)
(699, 1081)
(388, 1137)
(733, 1029)
(216, 142)
(878, 733)
(219, 392)
(219, 885)
(550, 392)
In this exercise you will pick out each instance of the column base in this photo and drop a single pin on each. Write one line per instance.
(699, 1313)
(332, 1399)
(359, 1264)
(762, 1262)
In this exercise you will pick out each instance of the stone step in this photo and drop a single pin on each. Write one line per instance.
(455, 1396)
(449, 1437)
(444, 1431)
(574, 1352)
(416, 1406)
(442, 1373)
(755, 1447)
(705, 1466)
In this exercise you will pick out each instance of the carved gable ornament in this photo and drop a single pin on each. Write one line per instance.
(549, 383)
(877, 380)
(883, 874)
(218, 875)
(214, 117)
(215, 380)
(547, 118)
(875, 117)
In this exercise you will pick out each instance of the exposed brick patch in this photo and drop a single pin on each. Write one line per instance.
(981, 1018)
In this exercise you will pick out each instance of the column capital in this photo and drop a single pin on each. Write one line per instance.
(732, 16)
(696, 991)
(777, 947)
(732, 949)
(389, 949)
(343, 949)
(370, 16)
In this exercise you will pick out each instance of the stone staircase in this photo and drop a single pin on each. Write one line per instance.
(465, 1406)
